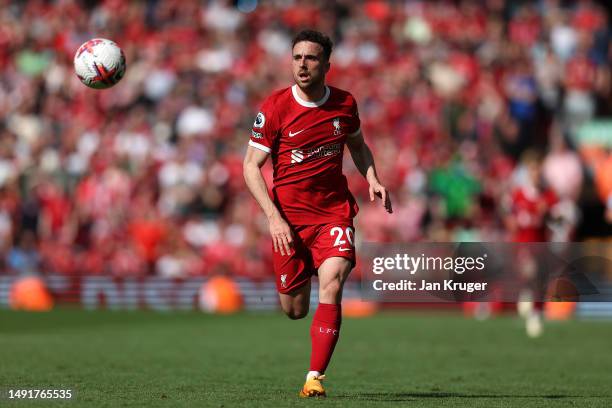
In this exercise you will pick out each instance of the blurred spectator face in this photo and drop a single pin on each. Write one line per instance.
(309, 65)
(532, 167)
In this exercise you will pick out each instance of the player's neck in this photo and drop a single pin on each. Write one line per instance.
(312, 95)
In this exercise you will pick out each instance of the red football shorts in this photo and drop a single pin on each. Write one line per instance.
(312, 245)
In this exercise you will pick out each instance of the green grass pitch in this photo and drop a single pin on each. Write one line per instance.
(124, 359)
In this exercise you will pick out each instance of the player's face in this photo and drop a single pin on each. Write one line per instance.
(309, 65)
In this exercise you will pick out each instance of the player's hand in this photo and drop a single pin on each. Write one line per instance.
(378, 190)
(282, 237)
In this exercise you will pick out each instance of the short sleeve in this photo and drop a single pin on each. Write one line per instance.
(354, 125)
(265, 129)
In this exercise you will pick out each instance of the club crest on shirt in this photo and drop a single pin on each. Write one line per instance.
(337, 128)
(260, 120)
(283, 280)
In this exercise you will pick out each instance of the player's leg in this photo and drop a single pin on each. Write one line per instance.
(293, 273)
(333, 254)
(332, 275)
(296, 303)
(325, 327)
(528, 305)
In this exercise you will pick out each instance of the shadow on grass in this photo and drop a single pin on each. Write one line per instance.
(411, 396)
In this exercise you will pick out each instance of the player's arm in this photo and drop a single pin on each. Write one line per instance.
(364, 161)
(282, 237)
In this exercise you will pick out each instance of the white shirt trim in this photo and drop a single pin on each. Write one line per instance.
(259, 146)
(310, 104)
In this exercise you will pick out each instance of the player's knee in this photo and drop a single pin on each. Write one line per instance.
(332, 288)
(296, 314)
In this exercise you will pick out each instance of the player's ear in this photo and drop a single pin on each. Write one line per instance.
(327, 66)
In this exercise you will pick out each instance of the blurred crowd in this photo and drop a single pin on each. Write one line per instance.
(473, 110)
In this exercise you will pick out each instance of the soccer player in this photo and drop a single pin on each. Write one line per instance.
(529, 205)
(304, 128)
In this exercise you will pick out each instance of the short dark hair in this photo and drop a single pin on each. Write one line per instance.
(315, 37)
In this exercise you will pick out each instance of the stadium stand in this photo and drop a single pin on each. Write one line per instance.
(465, 104)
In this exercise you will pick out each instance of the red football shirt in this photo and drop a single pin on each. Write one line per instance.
(306, 141)
(529, 208)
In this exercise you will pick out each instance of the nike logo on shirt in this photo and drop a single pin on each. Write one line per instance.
(293, 134)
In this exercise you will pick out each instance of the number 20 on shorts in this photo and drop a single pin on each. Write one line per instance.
(339, 233)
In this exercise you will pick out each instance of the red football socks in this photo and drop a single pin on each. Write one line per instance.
(324, 333)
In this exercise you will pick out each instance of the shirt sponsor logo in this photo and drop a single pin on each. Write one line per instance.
(299, 155)
(256, 135)
(260, 120)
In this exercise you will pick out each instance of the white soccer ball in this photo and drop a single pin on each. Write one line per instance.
(99, 63)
